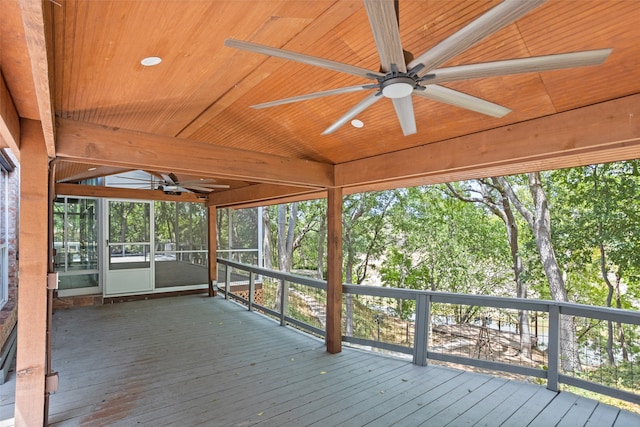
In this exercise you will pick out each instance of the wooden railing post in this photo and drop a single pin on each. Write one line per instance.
(553, 354)
(421, 334)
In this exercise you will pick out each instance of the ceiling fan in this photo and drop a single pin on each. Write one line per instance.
(170, 184)
(401, 76)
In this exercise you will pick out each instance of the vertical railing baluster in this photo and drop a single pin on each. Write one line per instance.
(252, 290)
(554, 348)
(420, 336)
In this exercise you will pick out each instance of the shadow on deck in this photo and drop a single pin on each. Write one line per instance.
(195, 360)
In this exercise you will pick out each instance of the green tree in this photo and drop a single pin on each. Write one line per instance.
(442, 243)
(599, 218)
(363, 220)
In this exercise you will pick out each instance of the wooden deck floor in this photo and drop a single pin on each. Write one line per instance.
(195, 360)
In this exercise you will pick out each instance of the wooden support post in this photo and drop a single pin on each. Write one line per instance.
(213, 253)
(32, 292)
(334, 271)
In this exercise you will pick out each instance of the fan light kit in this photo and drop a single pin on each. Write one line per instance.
(400, 78)
(397, 87)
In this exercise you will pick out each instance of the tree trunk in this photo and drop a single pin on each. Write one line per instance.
(569, 356)
(286, 231)
(322, 245)
(286, 228)
(610, 290)
(516, 264)
(349, 297)
(348, 271)
(539, 221)
(267, 252)
(621, 337)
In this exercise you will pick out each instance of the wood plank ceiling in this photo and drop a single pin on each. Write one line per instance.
(202, 91)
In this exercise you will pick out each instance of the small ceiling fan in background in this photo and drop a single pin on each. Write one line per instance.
(169, 183)
(401, 77)
(172, 185)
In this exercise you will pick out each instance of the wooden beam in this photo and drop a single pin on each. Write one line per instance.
(32, 292)
(281, 200)
(36, 18)
(9, 121)
(261, 193)
(102, 145)
(609, 131)
(125, 193)
(97, 172)
(334, 270)
(212, 246)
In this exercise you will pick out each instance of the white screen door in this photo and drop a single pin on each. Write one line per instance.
(129, 266)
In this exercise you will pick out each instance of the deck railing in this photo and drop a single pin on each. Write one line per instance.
(474, 330)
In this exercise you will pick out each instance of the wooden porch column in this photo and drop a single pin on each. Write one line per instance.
(32, 289)
(334, 270)
(213, 263)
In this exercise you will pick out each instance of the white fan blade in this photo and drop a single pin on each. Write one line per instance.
(300, 57)
(522, 65)
(459, 99)
(384, 25)
(357, 109)
(201, 181)
(205, 189)
(202, 185)
(404, 111)
(339, 91)
(491, 21)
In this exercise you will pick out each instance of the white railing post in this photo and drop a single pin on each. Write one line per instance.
(421, 334)
(252, 290)
(553, 354)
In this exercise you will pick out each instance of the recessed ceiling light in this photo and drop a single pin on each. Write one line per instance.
(357, 123)
(151, 61)
(92, 169)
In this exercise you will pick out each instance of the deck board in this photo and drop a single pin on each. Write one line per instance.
(579, 413)
(603, 415)
(531, 408)
(491, 410)
(194, 360)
